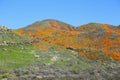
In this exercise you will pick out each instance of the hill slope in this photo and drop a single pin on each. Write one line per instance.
(13, 52)
(90, 40)
(49, 59)
(43, 29)
(92, 37)
(99, 32)
(101, 37)
(18, 61)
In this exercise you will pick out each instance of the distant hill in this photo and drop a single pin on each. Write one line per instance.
(90, 38)
(99, 30)
(100, 36)
(44, 28)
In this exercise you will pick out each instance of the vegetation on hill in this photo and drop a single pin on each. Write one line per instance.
(9, 36)
(51, 49)
(16, 56)
(13, 52)
(96, 37)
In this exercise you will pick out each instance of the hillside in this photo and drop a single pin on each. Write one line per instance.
(48, 30)
(19, 59)
(44, 28)
(91, 38)
(51, 49)
(99, 32)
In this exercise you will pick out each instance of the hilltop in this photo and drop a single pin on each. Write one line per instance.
(45, 28)
(49, 23)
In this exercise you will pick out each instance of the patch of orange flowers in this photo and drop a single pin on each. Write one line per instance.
(90, 55)
(115, 56)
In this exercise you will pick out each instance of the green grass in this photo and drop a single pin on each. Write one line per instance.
(12, 57)
(64, 59)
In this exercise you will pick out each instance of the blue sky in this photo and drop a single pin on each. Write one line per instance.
(19, 13)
